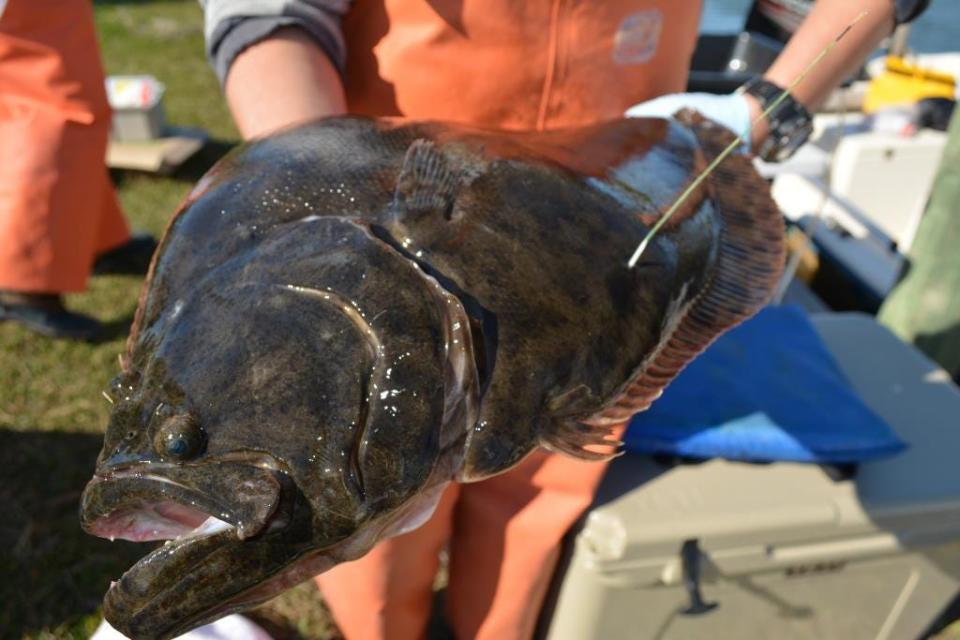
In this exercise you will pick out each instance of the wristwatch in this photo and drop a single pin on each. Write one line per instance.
(790, 123)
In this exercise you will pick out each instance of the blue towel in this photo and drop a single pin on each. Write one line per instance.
(767, 390)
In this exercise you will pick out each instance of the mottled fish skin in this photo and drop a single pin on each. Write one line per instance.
(345, 317)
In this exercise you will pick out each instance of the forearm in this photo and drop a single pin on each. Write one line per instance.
(824, 23)
(826, 20)
(283, 80)
(279, 60)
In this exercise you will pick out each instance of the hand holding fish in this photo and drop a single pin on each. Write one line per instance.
(732, 110)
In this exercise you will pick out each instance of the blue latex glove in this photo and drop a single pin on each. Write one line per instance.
(731, 110)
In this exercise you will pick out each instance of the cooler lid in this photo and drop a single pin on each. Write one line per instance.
(749, 513)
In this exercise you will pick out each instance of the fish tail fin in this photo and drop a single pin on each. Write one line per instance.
(748, 265)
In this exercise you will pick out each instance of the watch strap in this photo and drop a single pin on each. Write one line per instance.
(790, 123)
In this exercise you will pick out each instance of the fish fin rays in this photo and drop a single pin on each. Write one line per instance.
(428, 181)
(748, 265)
(562, 430)
(581, 440)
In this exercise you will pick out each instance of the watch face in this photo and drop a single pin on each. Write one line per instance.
(785, 139)
(790, 123)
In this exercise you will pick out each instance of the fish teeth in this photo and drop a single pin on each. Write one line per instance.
(211, 526)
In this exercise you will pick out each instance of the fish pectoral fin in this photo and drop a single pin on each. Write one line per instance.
(572, 402)
(428, 181)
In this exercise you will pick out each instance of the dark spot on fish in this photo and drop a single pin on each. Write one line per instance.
(621, 285)
(448, 210)
(649, 264)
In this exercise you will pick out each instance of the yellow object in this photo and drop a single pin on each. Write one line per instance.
(798, 243)
(904, 83)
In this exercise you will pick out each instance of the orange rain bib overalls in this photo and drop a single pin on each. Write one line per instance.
(531, 64)
(57, 205)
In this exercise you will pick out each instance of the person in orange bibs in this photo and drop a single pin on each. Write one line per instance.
(535, 65)
(58, 211)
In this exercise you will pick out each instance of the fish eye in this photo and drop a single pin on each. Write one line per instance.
(180, 438)
(121, 387)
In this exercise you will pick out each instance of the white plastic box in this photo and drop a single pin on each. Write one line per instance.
(137, 103)
(785, 550)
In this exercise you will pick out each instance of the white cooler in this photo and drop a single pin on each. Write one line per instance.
(782, 550)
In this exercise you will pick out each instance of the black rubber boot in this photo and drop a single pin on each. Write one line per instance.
(130, 258)
(45, 314)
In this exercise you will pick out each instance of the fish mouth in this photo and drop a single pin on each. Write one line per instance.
(220, 555)
(164, 502)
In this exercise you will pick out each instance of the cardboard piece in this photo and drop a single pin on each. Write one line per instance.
(161, 156)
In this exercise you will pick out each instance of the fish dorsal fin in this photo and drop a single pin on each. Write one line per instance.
(749, 262)
(428, 181)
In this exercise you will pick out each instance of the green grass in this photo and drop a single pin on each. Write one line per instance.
(52, 413)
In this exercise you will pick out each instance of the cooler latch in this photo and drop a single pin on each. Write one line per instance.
(690, 561)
